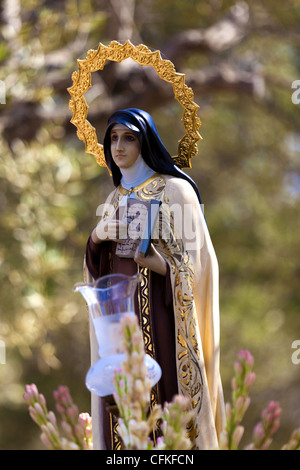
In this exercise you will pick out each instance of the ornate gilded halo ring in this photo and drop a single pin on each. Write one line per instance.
(96, 60)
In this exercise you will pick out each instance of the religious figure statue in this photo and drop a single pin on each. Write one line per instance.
(177, 302)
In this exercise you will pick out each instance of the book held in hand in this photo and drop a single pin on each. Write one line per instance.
(140, 217)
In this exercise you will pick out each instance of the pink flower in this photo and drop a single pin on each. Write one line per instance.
(241, 406)
(240, 385)
(237, 436)
(294, 441)
(246, 357)
(32, 391)
(249, 379)
(228, 411)
(78, 429)
(85, 419)
(258, 433)
(238, 367)
(264, 430)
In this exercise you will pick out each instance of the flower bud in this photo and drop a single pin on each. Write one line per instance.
(237, 436)
(38, 409)
(249, 379)
(246, 357)
(228, 411)
(51, 417)
(258, 434)
(223, 441)
(238, 367)
(32, 391)
(46, 441)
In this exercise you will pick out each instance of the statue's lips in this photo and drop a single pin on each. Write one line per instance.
(120, 156)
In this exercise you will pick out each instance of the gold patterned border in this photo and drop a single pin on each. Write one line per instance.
(96, 60)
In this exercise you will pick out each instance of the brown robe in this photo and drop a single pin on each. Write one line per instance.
(102, 260)
(181, 310)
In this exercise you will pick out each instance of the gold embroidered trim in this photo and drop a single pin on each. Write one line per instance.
(144, 292)
(190, 379)
(116, 441)
(138, 188)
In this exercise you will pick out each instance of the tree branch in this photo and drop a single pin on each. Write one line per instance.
(127, 84)
(223, 35)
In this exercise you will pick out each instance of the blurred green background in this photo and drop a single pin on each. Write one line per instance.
(241, 59)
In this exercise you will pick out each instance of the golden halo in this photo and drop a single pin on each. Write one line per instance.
(96, 60)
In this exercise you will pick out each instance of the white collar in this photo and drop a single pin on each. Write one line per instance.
(136, 174)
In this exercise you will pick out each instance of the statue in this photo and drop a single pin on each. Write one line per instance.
(177, 302)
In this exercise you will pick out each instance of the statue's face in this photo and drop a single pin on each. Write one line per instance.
(125, 146)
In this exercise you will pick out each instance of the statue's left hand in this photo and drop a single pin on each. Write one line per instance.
(153, 260)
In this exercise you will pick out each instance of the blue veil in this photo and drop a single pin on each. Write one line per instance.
(153, 150)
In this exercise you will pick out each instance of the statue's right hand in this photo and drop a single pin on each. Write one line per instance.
(113, 230)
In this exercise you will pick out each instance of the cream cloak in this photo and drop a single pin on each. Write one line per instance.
(185, 244)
